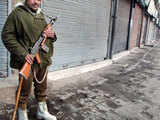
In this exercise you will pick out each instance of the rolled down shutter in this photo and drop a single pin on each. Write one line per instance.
(82, 31)
(121, 29)
(3, 51)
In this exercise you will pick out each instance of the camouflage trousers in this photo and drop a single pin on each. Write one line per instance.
(37, 75)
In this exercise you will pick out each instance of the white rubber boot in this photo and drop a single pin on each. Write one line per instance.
(42, 112)
(22, 114)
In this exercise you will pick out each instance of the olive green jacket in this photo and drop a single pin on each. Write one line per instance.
(21, 30)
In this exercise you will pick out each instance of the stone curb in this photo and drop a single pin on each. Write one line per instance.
(56, 75)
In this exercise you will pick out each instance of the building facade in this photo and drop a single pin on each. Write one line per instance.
(91, 31)
(82, 30)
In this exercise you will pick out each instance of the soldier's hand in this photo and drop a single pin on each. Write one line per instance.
(49, 32)
(29, 58)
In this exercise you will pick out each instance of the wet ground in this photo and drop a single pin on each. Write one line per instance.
(129, 89)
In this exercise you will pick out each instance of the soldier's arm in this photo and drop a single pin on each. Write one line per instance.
(9, 36)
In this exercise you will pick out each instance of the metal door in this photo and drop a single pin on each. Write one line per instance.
(82, 30)
(136, 27)
(3, 51)
(121, 26)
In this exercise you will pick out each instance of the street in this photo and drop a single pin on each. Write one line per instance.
(129, 89)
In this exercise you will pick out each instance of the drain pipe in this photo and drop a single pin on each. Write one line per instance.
(114, 17)
(132, 5)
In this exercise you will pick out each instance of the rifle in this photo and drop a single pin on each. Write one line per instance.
(40, 43)
(25, 71)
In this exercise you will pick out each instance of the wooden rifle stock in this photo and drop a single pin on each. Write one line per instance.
(25, 71)
(37, 58)
(17, 97)
(45, 37)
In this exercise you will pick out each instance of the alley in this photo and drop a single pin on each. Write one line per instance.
(129, 89)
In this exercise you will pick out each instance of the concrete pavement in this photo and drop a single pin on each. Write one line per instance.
(127, 89)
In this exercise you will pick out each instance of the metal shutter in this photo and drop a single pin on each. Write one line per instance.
(136, 27)
(120, 38)
(151, 34)
(82, 31)
(3, 51)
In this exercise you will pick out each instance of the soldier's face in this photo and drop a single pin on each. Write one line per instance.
(33, 4)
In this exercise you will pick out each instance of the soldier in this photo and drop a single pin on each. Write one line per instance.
(22, 28)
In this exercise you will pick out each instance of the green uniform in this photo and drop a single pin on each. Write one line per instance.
(19, 34)
(21, 30)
